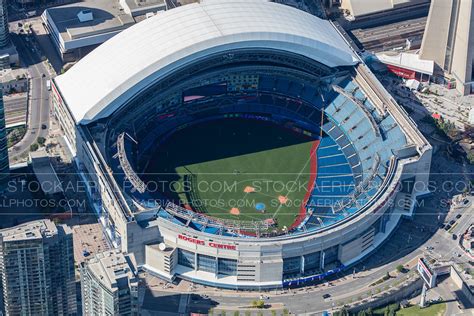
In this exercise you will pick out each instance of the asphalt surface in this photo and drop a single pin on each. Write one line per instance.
(38, 107)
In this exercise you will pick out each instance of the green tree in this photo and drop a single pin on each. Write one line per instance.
(342, 312)
(400, 268)
(470, 157)
(34, 147)
(41, 141)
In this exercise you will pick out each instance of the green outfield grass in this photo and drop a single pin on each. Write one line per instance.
(235, 163)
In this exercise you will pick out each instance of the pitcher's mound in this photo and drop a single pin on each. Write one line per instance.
(234, 211)
(282, 199)
(249, 189)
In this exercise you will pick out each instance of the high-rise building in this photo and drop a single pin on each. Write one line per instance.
(109, 284)
(4, 166)
(37, 270)
(4, 38)
(449, 40)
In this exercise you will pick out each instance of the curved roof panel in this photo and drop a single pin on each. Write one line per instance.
(132, 60)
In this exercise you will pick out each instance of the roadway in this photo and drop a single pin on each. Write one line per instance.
(38, 106)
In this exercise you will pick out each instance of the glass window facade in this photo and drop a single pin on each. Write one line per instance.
(186, 258)
(227, 266)
(291, 265)
(312, 261)
(207, 263)
(331, 255)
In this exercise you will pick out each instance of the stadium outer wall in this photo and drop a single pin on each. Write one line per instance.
(168, 250)
(262, 263)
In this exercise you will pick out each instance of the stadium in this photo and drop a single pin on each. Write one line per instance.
(240, 144)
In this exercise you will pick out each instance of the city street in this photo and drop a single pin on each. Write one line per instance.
(38, 107)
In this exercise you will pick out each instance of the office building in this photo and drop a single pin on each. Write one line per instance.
(37, 269)
(8, 53)
(77, 29)
(4, 36)
(4, 166)
(109, 285)
(449, 41)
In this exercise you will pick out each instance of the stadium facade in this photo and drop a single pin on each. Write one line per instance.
(264, 61)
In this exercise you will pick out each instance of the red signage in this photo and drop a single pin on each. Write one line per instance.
(191, 240)
(210, 244)
(402, 72)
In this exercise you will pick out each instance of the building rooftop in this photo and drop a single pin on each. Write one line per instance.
(365, 7)
(129, 62)
(7, 75)
(108, 15)
(406, 60)
(140, 7)
(45, 173)
(32, 230)
(112, 266)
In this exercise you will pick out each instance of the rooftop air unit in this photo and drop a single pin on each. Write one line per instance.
(85, 16)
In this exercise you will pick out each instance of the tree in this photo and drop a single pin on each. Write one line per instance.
(236, 313)
(260, 303)
(34, 147)
(400, 268)
(342, 312)
(470, 157)
(41, 141)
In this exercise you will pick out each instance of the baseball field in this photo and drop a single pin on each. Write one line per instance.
(238, 169)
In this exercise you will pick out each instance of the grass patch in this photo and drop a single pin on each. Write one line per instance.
(433, 310)
(227, 168)
(15, 135)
